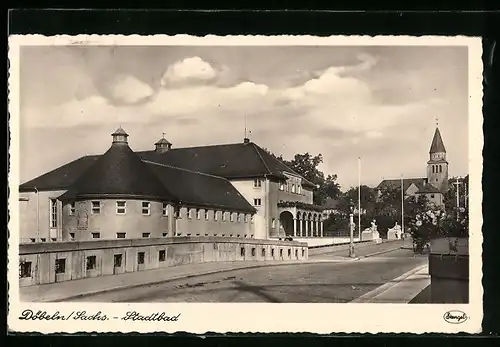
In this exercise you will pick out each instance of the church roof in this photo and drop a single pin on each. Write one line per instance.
(118, 173)
(428, 189)
(193, 188)
(437, 145)
(407, 182)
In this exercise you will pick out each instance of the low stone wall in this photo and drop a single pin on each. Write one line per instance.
(323, 241)
(42, 263)
(449, 270)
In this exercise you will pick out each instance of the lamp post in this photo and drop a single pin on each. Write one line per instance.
(351, 228)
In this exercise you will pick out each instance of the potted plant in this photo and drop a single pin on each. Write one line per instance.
(446, 237)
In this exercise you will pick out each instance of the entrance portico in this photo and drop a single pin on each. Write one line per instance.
(300, 219)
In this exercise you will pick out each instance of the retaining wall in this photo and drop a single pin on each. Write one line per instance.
(42, 263)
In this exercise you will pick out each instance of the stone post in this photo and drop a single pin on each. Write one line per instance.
(301, 226)
(317, 228)
(321, 227)
(294, 227)
(307, 227)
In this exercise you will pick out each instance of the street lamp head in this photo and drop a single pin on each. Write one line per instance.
(351, 206)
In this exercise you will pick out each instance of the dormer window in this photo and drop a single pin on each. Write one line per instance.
(257, 183)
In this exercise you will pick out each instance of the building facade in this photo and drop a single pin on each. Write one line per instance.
(233, 190)
(435, 184)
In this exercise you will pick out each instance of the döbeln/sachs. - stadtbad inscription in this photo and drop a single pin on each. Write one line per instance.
(98, 316)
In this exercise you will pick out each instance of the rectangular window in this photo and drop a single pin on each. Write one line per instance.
(146, 208)
(161, 255)
(145, 235)
(25, 269)
(53, 213)
(121, 207)
(96, 207)
(91, 262)
(263, 252)
(118, 260)
(140, 258)
(96, 235)
(120, 235)
(257, 202)
(72, 209)
(253, 251)
(165, 209)
(257, 183)
(242, 251)
(60, 266)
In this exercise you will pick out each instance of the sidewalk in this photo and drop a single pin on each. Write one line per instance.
(61, 291)
(401, 290)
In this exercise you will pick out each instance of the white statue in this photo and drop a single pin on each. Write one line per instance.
(374, 226)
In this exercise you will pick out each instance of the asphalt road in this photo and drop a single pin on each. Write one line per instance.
(334, 282)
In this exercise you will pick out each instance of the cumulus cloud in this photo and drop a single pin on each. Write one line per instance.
(193, 68)
(129, 89)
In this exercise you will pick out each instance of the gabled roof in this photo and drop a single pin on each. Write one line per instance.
(162, 141)
(428, 189)
(193, 188)
(62, 177)
(407, 182)
(437, 145)
(231, 161)
(118, 173)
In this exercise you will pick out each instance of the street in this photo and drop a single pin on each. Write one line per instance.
(320, 282)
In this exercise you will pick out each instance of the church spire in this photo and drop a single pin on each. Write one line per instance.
(437, 145)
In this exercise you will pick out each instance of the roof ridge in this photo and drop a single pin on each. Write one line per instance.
(261, 159)
(184, 169)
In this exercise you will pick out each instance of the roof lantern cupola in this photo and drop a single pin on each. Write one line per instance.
(163, 145)
(120, 136)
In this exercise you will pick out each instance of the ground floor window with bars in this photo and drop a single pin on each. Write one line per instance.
(53, 213)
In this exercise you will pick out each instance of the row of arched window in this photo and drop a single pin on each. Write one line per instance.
(437, 168)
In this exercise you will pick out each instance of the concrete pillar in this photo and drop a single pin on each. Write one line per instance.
(321, 228)
(294, 227)
(300, 226)
(307, 227)
(317, 228)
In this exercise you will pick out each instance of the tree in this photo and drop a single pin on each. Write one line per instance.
(306, 165)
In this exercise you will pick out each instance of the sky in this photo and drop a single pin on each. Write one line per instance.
(379, 103)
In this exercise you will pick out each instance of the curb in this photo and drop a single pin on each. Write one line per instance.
(179, 277)
(368, 297)
(380, 252)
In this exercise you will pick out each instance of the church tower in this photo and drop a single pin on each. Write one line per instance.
(437, 166)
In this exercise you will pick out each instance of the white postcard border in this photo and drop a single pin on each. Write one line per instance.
(256, 317)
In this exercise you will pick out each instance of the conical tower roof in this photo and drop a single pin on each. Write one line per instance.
(437, 145)
(118, 173)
